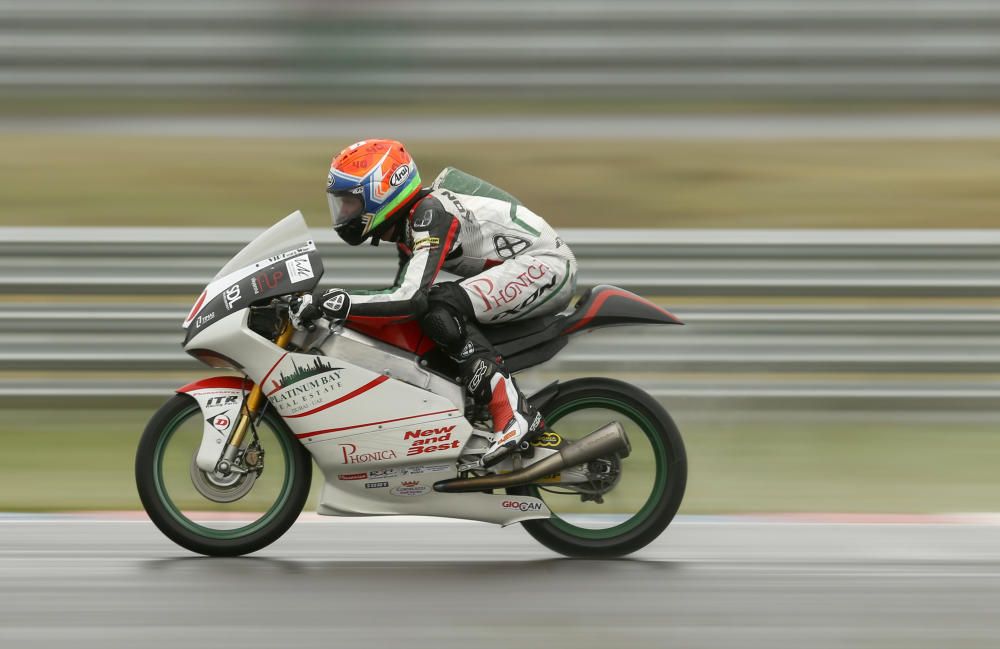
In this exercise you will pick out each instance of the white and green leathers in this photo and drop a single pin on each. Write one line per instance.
(513, 264)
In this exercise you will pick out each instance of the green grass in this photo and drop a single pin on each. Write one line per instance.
(82, 460)
(851, 467)
(74, 180)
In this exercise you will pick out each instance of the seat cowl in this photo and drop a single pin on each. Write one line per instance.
(498, 334)
(607, 306)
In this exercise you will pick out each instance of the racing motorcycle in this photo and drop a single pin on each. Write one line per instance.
(224, 467)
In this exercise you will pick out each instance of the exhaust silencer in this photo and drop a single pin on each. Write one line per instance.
(606, 440)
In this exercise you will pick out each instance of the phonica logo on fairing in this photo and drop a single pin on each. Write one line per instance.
(351, 455)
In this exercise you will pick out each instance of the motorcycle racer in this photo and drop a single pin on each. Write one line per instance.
(512, 266)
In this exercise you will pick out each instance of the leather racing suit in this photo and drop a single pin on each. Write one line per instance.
(512, 266)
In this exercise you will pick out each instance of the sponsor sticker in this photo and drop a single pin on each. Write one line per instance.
(426, 242)
(231, 296)
(521, 506)
(408, 490)
(227, 400)
(477, 375)
(509, 436)
(459, 207)
(376, 485)
(399, 175)
(433, 468)
(335, 303)
(352, 456)
(221, 422)
(494, 296)
(509, 246)
(204, 319)
(352, 476)
(430, 440)
(299, 388)
(383, 473)
(423, 219)
(547, 440)
(288, 253)
(269, 280)
(299, 269)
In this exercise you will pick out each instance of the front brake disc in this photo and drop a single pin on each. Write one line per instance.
(219, 488)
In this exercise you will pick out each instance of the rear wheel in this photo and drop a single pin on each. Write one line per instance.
(636, 497)
(214, 514)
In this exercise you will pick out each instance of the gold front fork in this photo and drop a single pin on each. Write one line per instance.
(251, 407)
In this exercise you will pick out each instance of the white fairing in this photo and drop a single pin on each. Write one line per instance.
(381, 429)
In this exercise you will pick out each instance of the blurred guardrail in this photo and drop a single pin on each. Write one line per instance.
(897, 49)
(900, 319)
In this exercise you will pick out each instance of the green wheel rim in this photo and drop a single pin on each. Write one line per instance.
(208, 532)
(659, 453)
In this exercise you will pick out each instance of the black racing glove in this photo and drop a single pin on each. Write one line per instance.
(333, 304)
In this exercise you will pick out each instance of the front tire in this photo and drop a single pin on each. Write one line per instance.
(583, 403)
(173, 505)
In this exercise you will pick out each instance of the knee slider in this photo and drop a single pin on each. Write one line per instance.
(444, 327)
(451, 295)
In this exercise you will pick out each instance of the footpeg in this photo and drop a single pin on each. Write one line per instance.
(469, 466)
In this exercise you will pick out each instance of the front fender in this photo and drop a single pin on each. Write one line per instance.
(221, 401)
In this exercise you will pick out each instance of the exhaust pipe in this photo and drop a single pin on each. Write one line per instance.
(606, 440)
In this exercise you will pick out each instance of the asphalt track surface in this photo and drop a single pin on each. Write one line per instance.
(413, 582)
(880, 126)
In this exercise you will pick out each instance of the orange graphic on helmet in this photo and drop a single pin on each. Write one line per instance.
(379, 173)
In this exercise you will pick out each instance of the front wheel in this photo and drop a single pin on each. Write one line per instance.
(214, 514)
(642, 492)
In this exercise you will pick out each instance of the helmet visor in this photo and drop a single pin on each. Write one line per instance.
(344, 207)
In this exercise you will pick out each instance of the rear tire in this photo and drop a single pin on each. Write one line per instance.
(645, 414)
(187, 533)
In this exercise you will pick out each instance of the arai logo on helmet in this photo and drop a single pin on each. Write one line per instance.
(399, 175)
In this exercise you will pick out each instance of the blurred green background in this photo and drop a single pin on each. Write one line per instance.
(72, 78)
(67, 180)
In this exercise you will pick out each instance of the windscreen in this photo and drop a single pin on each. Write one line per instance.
(280, 261)
(287, 234)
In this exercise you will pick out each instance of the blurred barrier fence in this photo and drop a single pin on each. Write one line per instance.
(857, 319)
(389, 49)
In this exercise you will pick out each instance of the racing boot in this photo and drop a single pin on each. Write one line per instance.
(514, 419)
(489, 384)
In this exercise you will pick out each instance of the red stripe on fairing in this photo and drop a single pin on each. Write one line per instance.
(592, 311)
(371, 423)
(197, 306)
(268, 375)
(350, 395)
(217, 382)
